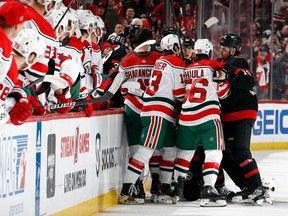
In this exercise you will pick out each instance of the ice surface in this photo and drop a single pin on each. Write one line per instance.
(272, 164)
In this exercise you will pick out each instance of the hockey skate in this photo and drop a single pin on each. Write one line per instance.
(130, 195)
(140, 188)
(250, 196)
(211, 198)
(243, 196)
(178, 189)
(154, 187)
(164, 194)
(225, 192)
(261, 196)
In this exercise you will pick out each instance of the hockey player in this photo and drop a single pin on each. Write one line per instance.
(158, 114)
(93, 76)
(39, 69)
(28, 48)
(137, 67)
(12, 17)
(238, 114)
(199, 122)
(188, 50)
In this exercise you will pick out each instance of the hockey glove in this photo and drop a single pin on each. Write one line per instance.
(88, 108)
(64, 98)
(20, 112)
(219, 75)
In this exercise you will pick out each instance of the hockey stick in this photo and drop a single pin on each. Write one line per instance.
(58, 81)
(107, 96)
(64, 14)
(177, 30)
(211, 21)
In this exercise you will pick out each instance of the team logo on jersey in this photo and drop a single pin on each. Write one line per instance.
(211, 139)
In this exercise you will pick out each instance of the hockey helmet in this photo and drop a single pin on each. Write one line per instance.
(169, 30)
(63, 26)
(86, 20)
(27, 42)
(100, 27)
(141, 35)
(46, 3)
(232, 41)
(188, 42)
(203, 46)
(169, 42)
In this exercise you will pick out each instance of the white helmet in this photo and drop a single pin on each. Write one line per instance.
(86, 20)
(73, 21)
(28, 41)
(168, 43)
(47, 2)
(203, 46)
(100, 27)
(56, 16)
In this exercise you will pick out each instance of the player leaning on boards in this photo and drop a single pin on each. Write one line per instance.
(238, 115)
(12, 17)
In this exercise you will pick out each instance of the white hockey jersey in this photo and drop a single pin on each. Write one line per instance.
(201, 101)
(166, 85)
(137, 67)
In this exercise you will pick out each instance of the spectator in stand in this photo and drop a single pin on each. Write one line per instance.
(256, 29)
(124, 22)
(279, 67)
(130, 14)
(119, 8)
(118, 28)
(154, 24)
(188, 22)
(138, 6)
(149, 7)
(284, 31)
(263, 68)
(280, 11)
(101, 10)
(284, 43)
(262, 13)
(111, 18)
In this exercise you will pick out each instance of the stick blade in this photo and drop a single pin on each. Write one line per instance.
(211, 21)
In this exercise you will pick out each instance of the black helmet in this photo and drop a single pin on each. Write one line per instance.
(187, 41)
(169, 30)
(232, 40)
(141, 35)
(129, 31)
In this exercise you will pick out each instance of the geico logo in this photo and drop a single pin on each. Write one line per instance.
(271, 122)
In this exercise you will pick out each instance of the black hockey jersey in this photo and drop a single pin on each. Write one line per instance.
(242, 102)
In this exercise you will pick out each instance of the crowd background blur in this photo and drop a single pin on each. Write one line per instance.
(262, 25)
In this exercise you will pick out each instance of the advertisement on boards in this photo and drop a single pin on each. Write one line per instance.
(17, 170)
(271, 124)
